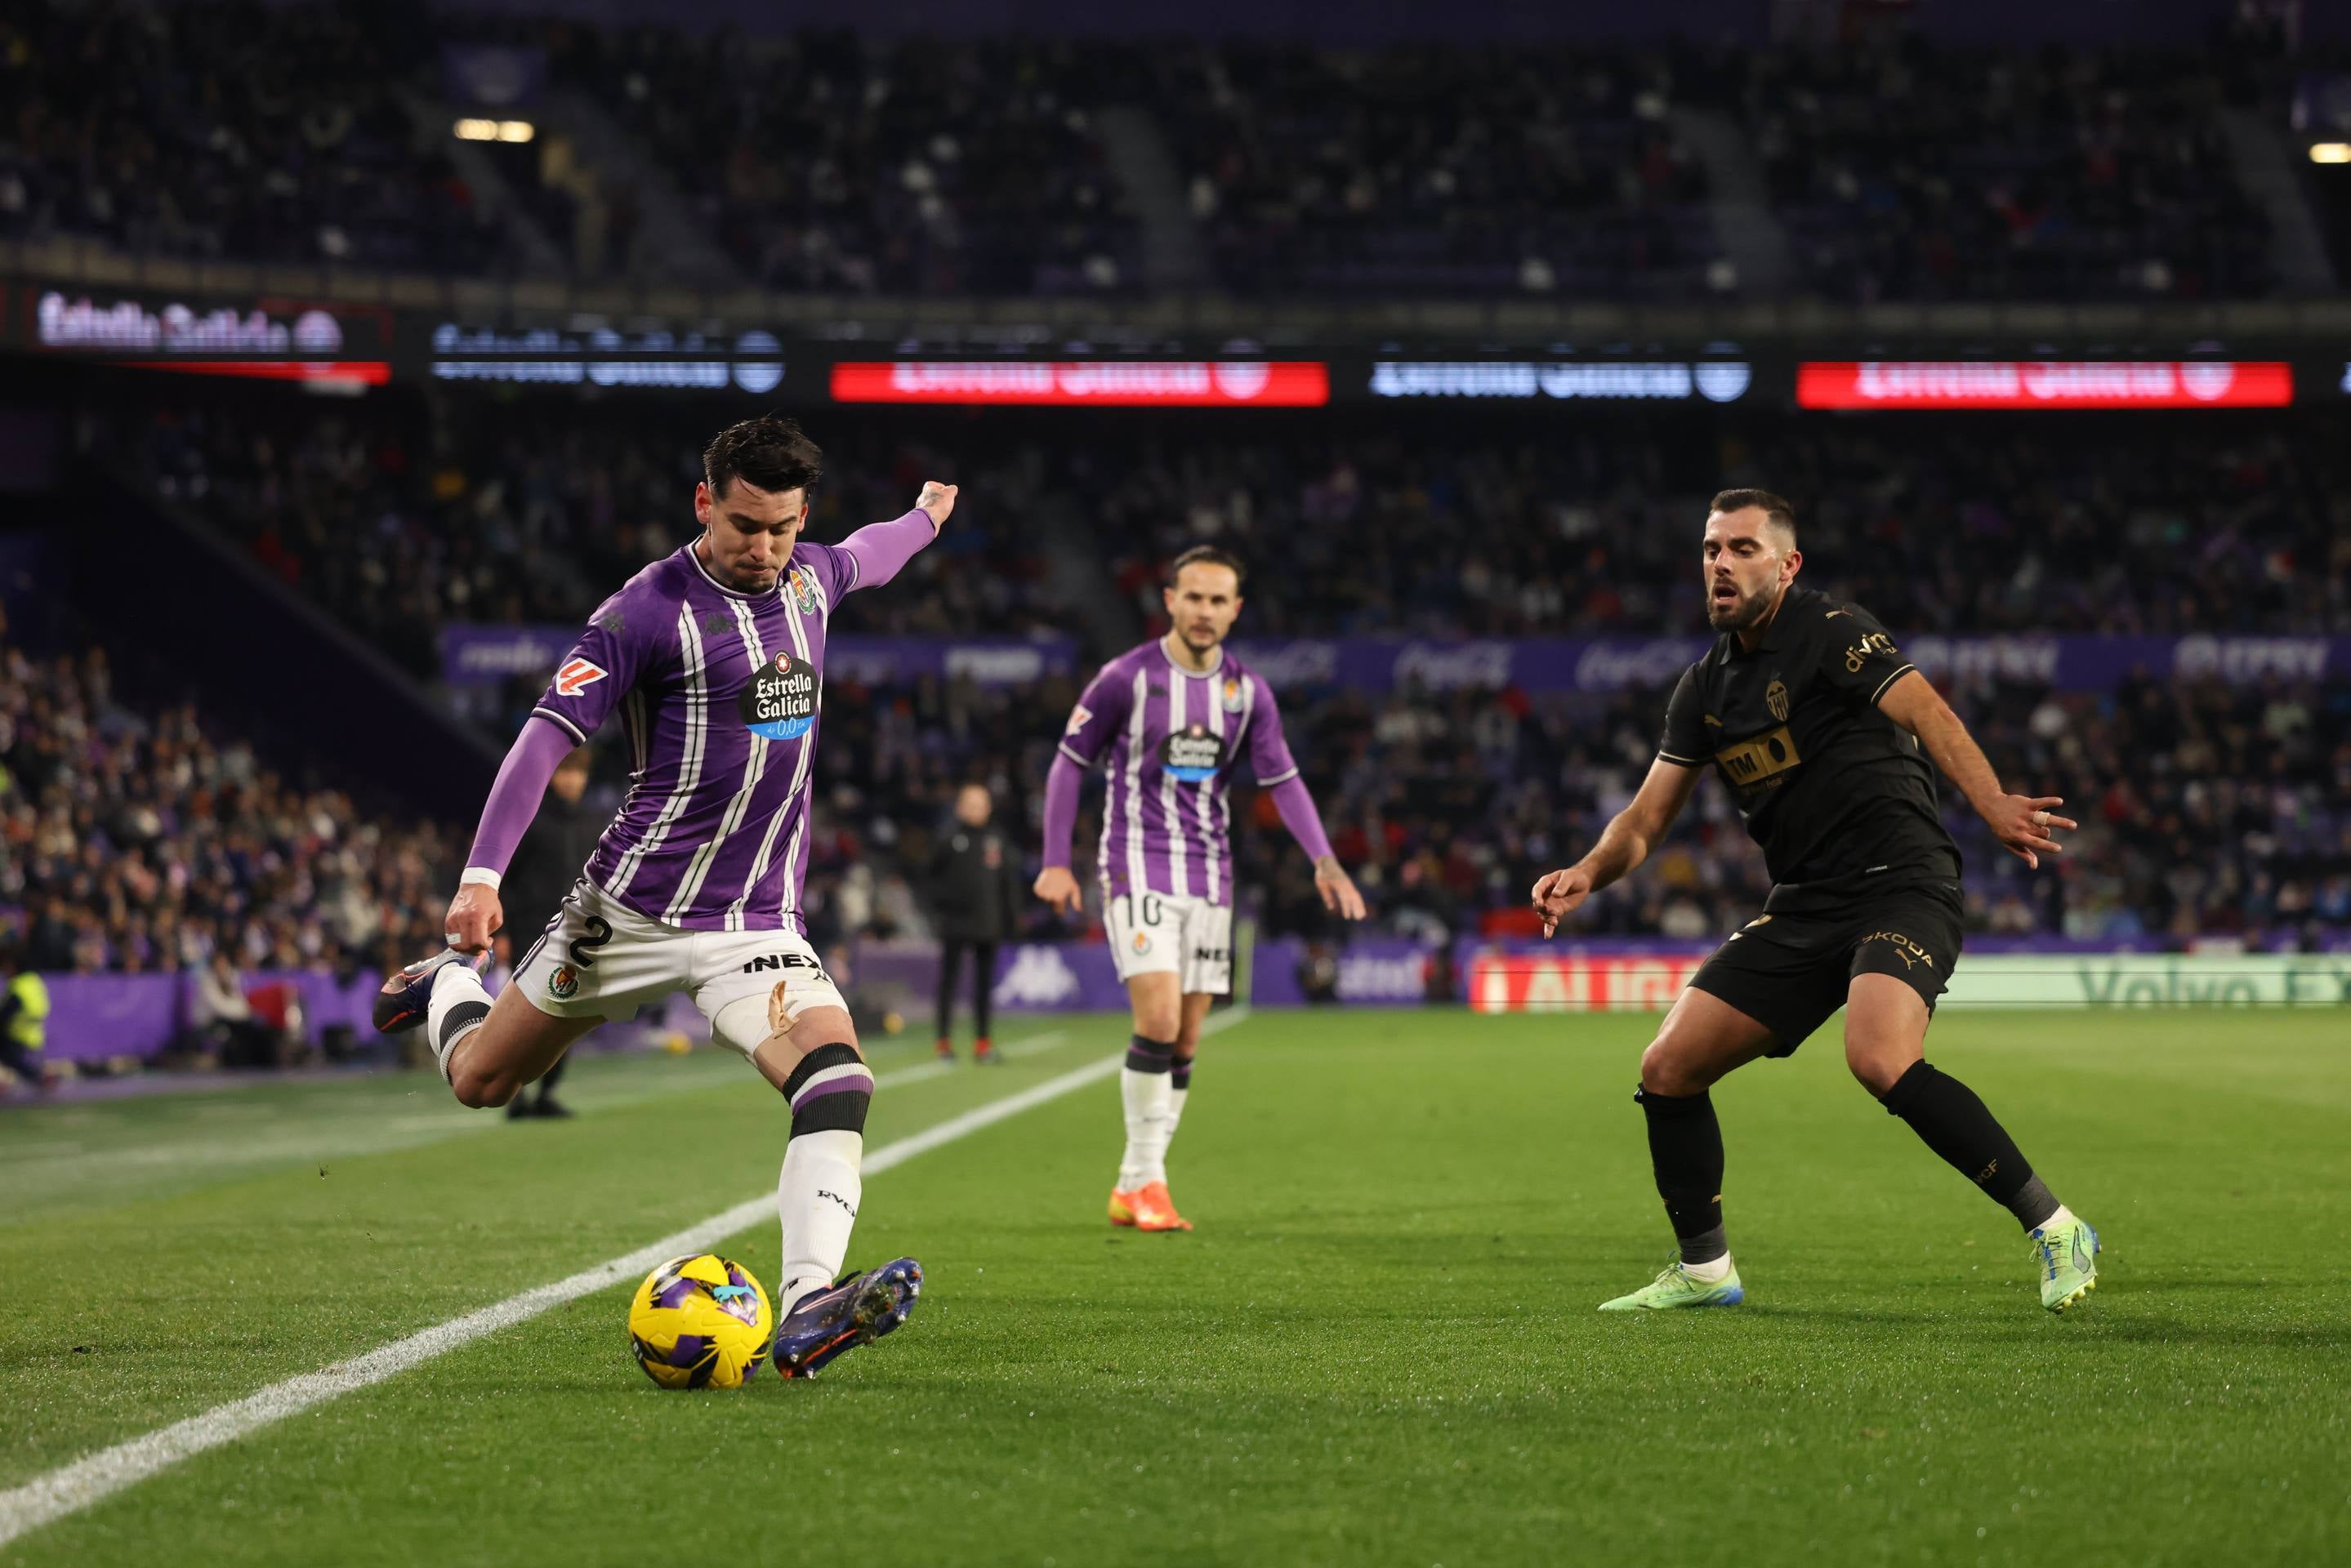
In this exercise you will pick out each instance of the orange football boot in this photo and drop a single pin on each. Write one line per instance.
(1154, 1209)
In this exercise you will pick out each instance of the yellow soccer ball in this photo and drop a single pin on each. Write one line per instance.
(700, 1321)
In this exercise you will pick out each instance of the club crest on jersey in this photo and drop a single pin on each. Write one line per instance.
(1142, 941)
(1080, 717)
(576, 675)
(1192, 754)
(801, 583)
(1775, 698)
(1232, 696)
(564, 983)
(778, 703)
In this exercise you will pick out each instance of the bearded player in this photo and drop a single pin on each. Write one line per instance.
(1823, 734)
(1174, 719)
(714, 658)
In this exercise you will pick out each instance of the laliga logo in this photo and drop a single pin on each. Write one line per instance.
(1241, 380)
(2206, 380)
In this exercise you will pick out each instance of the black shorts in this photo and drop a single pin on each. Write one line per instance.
(1790, 969)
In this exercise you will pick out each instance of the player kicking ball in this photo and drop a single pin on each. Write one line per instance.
(714, 658)
(1823, 734)
(1174, 718)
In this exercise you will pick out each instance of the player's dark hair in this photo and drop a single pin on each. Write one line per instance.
(1775, 507)
(772, 453)
(1206, 556)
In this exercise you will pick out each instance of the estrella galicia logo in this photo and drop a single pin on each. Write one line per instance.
(780, 704)
(1192, 754)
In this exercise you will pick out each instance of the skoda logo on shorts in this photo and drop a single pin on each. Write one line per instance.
(1192, 754)
(564, 983)
(779, 704)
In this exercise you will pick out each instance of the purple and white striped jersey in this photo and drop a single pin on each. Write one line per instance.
(1171, 740)
(719, 693)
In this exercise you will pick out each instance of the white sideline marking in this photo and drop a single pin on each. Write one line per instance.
(87, 1480)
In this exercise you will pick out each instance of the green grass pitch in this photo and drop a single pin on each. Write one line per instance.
(1379, 1346)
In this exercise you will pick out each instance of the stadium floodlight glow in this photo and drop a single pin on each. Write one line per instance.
(2330, 153)
(516, 131)
(477, 131)
(2044, 384)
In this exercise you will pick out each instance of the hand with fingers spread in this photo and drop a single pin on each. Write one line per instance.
(2026, 825)
(1558, 894)
(1339, 892)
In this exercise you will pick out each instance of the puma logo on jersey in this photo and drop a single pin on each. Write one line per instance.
(577, 677)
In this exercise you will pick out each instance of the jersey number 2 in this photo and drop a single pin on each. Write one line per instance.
(599, 931)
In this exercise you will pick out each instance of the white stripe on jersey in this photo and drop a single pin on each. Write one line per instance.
(696, 704)
(1178, 882)
(689, 887)
(1138, 714)
(1213, 789)
(798, 845)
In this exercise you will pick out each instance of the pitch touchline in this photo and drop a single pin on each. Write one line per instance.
(87, 1480)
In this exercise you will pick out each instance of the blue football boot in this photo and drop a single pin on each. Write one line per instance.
(862, 1308)
(400, 1005)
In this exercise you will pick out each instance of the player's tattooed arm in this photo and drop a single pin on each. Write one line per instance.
(1623, 847)
(938, 500)
(2026, 825)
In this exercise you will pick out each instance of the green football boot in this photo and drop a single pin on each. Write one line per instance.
(2066, 1256)
(1675, 1288)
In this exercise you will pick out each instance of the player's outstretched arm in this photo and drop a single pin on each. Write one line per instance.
(475, 914)
(882, 550)
(1623, 847)
(2025, 825)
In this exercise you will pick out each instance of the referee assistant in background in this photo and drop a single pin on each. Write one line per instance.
(549, 860)
(976, 887)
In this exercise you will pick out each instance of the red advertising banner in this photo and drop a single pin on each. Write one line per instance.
(2044, 384)
(1573, 983)
(1104, 383)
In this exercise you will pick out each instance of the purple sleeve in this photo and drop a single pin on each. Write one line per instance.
(514, 798)
(599, 669)
(1099, 716)
(1298, 816)
(1060, 809)
(877, 552)
(1269, 757)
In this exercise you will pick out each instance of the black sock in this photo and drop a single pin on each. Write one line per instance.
(1948, 1118)
(1685, 1153)
(554, 1076)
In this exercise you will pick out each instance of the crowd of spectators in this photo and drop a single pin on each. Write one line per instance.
(824, 161)
(1899, 168)
(401, 520)
(245, 130)
(141, 838)
(1906, 170)
(1442, 169)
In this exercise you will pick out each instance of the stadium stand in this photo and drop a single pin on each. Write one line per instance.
(1444, 171)
(1911, 170)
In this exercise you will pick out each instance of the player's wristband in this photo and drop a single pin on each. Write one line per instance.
(482, 876)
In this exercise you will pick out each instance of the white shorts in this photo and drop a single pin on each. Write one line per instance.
(600, 959)
(1172, 933)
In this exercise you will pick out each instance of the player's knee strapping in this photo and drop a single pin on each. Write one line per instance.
(1145, 1055)
(829, 1091)
(1179, 1073)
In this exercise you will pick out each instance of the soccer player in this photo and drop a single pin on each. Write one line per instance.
(1823, 732)
(1175, 717)
(713, 657)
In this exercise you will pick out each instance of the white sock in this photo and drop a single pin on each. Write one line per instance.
(1710, 1273)
(2059, 1220)
(1149, 1126)
(817, 1196)
(1176, 1098)
(454, 986)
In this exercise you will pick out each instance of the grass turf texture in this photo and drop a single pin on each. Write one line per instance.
(1380, 1346)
